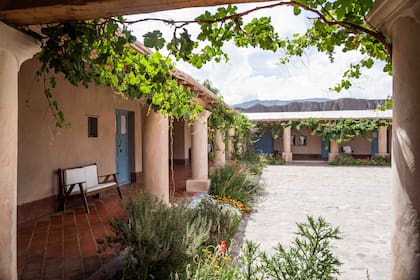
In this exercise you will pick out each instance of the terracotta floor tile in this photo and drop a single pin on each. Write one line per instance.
(91, 264)
(53, 268)
(71, 249)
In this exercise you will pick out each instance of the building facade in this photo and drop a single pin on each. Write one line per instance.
(302, 144)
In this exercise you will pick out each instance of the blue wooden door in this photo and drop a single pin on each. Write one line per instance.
(265, 144)
(374, 144)
(122, 146)
(325, 148)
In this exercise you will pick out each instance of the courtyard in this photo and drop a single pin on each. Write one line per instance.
(356, 199)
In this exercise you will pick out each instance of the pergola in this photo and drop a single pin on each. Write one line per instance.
(399, 19)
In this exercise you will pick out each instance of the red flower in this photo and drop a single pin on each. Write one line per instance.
(223, 246)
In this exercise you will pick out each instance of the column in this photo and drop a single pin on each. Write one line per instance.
(382, 141)
(287, 148)
(199, 153)
(15, 47)
(230, 151)
(406, 149)
(219, 149)
(401, 21)
(333, 150)
(156, 155)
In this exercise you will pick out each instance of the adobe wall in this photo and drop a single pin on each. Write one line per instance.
(43, 148)
(178, 140)
(359, 145)
(182, 140)
(313, 142)
(187, 136)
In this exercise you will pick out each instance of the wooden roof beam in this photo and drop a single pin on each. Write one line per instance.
(28, 12)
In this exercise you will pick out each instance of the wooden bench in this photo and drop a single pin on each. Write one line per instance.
(84, 181)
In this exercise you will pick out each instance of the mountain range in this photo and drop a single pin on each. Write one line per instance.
(275, 102)
(305, 105)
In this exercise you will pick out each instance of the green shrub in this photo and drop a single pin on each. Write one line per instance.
(309, 257)
(346, 159)
(234, 181)
(274, 160)
(383, 160)
(223, 217)
(157, 238)
(254, 162)
(343, 159)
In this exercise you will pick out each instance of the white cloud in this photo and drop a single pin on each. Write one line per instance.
(256, 74)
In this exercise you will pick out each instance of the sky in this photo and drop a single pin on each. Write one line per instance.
(256, 74)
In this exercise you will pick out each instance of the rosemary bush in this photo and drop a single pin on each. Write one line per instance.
(158, 239)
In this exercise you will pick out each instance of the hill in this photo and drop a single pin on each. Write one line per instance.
(306, 105)
(275, 102)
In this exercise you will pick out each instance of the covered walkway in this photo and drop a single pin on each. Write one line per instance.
(63, 245)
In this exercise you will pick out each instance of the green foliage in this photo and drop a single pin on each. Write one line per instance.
(274, 159)
(207, 83)
(387, 105)
(254, 162)
(224, 118)
(213, 263)
(309, 257)
(341, 130)
(347, 160)
(336, 25)
(234, 181)
(244, 135)
(154, 39)
(223, 217)
(276, 128)
(101, 51)
(157, 238)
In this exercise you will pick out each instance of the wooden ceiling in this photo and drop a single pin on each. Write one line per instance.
(27, 12)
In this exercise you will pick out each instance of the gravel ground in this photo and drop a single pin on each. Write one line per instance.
(356, 199)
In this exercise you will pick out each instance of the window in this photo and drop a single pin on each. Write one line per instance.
(302, 140)
(92, 127)
(123, 124)
(298, 140)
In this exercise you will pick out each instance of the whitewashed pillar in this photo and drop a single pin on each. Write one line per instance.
(382, 141)
(15, 48)
(199, 155)
(400, 19)
(230, 151)
(156, 155)
(287, 147)
(219, 149)
(333, 150)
